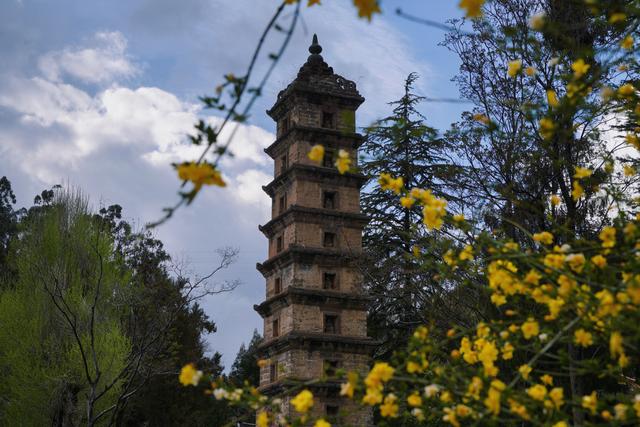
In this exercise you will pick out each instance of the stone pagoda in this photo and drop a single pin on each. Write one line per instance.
(315, 318)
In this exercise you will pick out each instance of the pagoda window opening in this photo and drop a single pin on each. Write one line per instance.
(327, 160)
(283, 203)
(329, 240)
(273, 372)
(275, 325)
(329, 281)
(327, 120)
(332, 410)
(284, 125)
(331, 324)
(279, 244)
(329, 199)
(277, 285)
(284, 163)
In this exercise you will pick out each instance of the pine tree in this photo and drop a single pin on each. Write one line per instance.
(401, 145)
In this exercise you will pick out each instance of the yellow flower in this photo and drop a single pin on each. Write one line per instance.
(530, 71)
(552, 98)
(633, 140)
(543, 237)
(507, 351)
(583, 338)
(582, 172)
(200, 174)
(577, 191)
(525, 370)
(414, 400)
(492, 402)
(321, 423)
(346, 389)
(387, 182)
(590, 402)
(530, 328)
(466, 253)
(309, 4)
(189, 375)
(557, 396)
(576, 262)
(537, 392)
(379, 374)
(608, 237)
(389, 407)
(599, 261)
(626, 90)
(617, 17)
(615, 344)
(263, 419)
(580, 68)
(482, 118)
(621, 411)
(303, 401)
(629, 170)
(537, 21)
(458, 218)
(514, 67)
(547, 379)
(487, 355)
(555, 199)
(627, 43)
(546, 127)
(407, 202)
(372, 397)
(472, 8)
(518, 409)
(561, 424)
(316, 154)
(262, 363)
(366, 8)
(343, 163)
(433, 213)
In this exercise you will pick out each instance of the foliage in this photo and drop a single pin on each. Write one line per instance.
(245, 367)
(557, 256)
(85, 284)
(61, 339)
(404, 294)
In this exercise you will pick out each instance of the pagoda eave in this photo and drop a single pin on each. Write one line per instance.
(315, 174)
(317, 135)
(321, 297)
(317, 342)
(307, 255)
(295, 213)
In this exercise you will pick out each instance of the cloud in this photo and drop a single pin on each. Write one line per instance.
(82, 118)
(105, 60)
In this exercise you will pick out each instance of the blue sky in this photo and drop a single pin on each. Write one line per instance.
(100, 94)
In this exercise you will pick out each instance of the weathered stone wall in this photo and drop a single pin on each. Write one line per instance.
(310, 194)
(310, 318)
(312, 236)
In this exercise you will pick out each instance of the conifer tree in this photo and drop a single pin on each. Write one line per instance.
(401, 145)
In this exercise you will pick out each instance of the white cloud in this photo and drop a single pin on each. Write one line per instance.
(104, 61)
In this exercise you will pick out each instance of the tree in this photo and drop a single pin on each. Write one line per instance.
(117, 324)
(63, 345)
(245, 366)
(512, 164)
(404, 292)
(554, 248)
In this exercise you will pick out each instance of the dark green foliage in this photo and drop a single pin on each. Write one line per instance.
(153, 323)
(245, 367)
(404, 292)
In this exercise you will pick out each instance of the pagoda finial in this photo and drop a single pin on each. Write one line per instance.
(315, 48)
